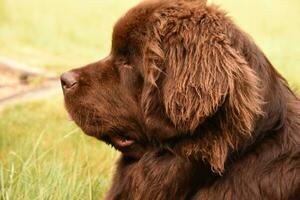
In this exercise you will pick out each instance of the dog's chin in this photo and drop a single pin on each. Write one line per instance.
(129, 147)
(135, 153)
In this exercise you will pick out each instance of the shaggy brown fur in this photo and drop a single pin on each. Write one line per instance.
(195, 107)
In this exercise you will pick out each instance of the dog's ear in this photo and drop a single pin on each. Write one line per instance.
(207, 78)
(203, 74)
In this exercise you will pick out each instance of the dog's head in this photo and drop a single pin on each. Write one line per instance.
(176, 69)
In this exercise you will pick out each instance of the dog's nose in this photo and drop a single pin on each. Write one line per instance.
(68, 80)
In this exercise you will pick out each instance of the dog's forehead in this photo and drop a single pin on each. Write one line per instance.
(129, 29)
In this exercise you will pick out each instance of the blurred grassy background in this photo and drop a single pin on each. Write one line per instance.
(42, 154)
(58, 34)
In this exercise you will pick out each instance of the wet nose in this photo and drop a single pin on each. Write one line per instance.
(68, 80)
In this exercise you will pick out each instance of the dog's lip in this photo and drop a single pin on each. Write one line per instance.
(121, 142)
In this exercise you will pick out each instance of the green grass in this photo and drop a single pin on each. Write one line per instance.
(45, 156)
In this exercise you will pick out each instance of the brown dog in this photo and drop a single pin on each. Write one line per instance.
(195, 107)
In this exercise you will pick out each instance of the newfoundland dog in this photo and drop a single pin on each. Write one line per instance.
(193, 105)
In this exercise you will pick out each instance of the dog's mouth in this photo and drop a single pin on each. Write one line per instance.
(121, 142)
(130, 146)
(124, 141)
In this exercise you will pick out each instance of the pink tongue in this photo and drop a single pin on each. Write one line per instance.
(121, 142)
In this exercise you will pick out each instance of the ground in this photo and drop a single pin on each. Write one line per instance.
(43, 155)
